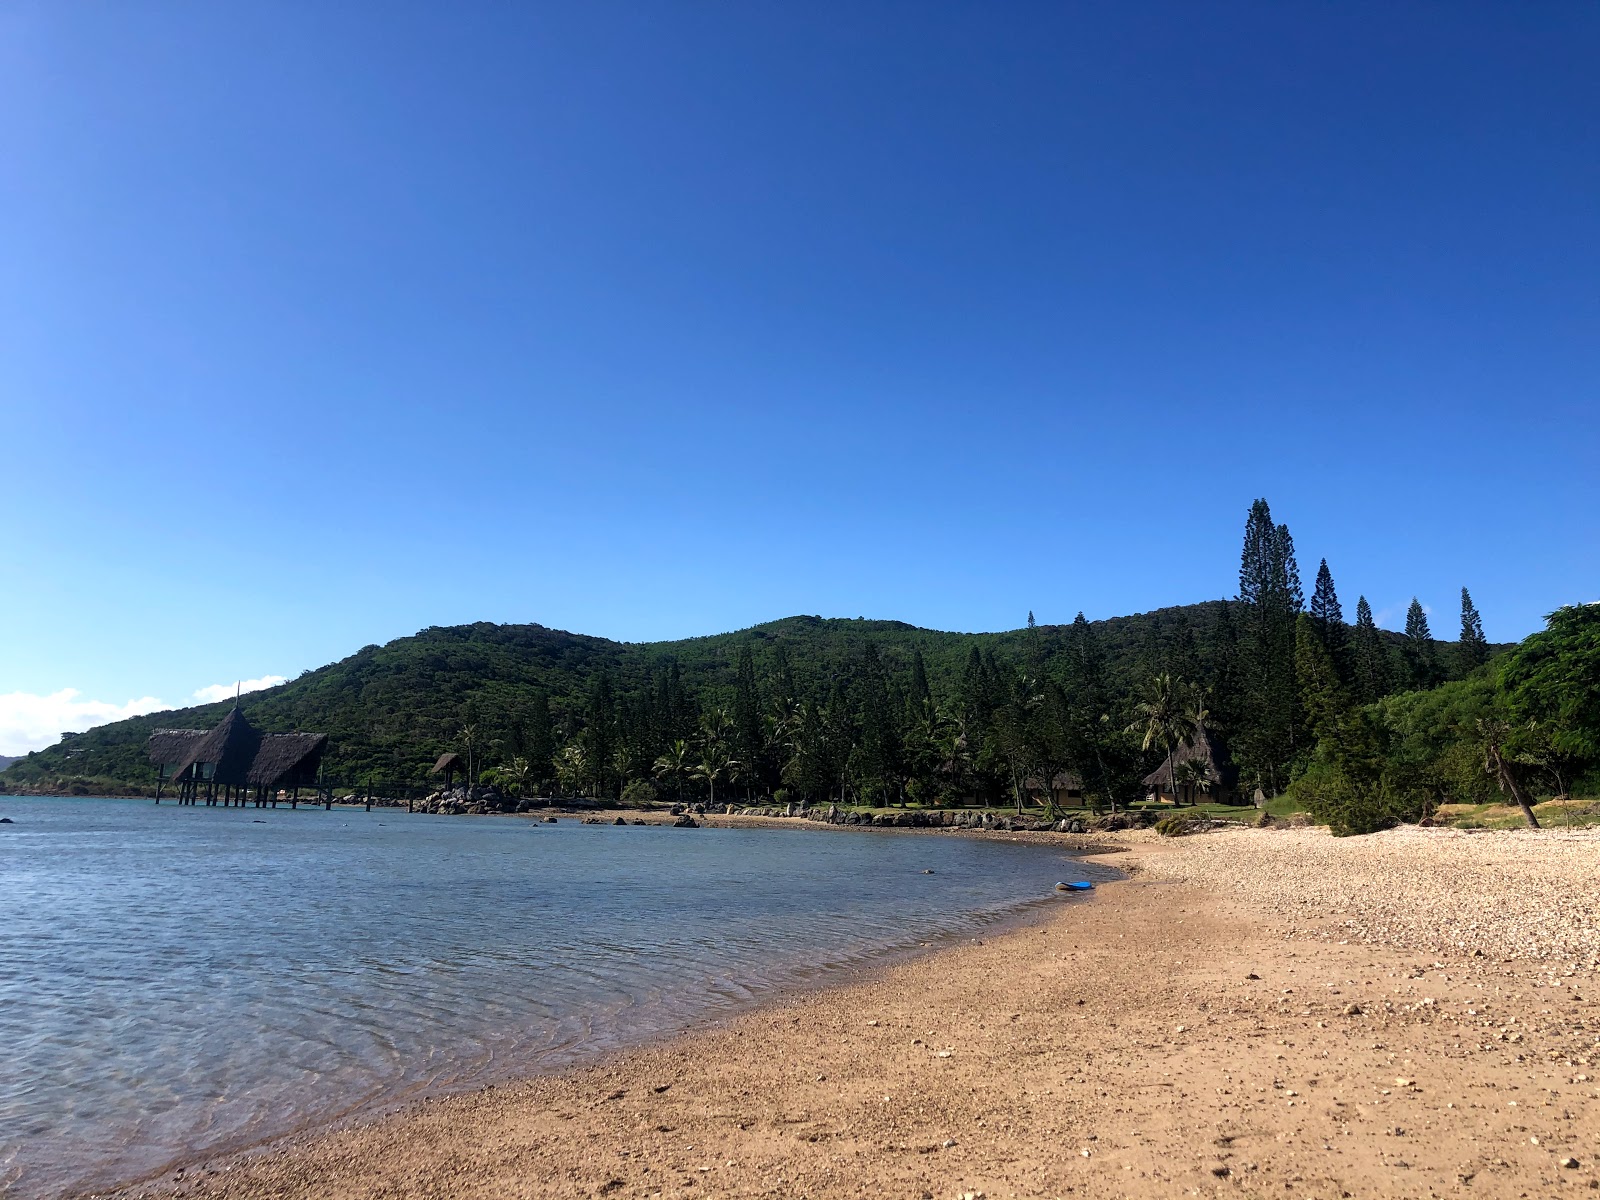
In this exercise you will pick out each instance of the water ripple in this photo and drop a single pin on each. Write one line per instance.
(177, 981)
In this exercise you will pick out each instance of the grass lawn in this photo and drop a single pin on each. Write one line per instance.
(1553, 814)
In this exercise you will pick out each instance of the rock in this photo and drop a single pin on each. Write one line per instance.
(620, 821)
(686, 822)
(1570, 1164)
(549, 821)
(1352, 1010)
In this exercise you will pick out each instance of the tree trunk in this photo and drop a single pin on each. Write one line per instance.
(1511, 785)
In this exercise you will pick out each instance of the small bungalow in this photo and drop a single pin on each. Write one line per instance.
(1066, 788)
(1199, 768)
(234, 761)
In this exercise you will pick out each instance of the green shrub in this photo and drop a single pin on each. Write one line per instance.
(1180, 824)
(639, 791)
(1348, 807)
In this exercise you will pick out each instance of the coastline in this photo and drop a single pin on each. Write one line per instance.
(1171, 1034)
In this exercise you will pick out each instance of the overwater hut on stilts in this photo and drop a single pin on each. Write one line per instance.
(449, 763)
(235, 764)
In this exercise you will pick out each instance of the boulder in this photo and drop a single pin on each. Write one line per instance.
(686, 822)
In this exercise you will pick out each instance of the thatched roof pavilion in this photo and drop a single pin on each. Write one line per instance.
(236, 754)
(1204, 749)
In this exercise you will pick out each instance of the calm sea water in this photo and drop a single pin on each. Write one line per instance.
(177, 981)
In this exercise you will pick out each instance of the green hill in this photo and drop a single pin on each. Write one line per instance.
(391, 710)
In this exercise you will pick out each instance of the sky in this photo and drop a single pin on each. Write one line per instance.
(321, 323)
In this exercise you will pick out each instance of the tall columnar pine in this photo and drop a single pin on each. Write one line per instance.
(920, 694)
(600, 732)
(541, 749)
(1180, 653)
(1271, 597)
(1328, 617)
(877, 764)
(1321, 692)
(1093, 736)
(749, 730)
(1422, 658)
(1220, 667)
(1473, 649)
(1371, 657)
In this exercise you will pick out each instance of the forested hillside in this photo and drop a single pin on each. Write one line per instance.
(872, 711)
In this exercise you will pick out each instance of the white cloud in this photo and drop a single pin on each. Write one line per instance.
(225, 691)
(30, 722)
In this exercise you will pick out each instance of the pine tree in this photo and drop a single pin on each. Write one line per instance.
(920, 693)
(1328, 617)
(1269, 590)
(1180, 655)
(1421, 656)
(749, 733)
(541, 735)
(1321, 693)
(1091, 735)
(876, 760)
(1474, 648)
(1372, 673)
(1221, 668)
(600, 731)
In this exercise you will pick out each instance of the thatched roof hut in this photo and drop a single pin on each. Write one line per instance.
(236, 753)
(449, 763)
(1204, 749)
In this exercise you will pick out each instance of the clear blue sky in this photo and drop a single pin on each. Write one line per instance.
(323, 322)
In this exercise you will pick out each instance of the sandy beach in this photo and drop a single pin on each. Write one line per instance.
(1252, 1013)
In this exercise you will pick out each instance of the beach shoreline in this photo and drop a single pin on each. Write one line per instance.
(1173, 1034)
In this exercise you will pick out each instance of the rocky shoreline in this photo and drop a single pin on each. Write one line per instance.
(483, 801)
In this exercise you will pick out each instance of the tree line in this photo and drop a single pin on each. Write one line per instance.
(864, 726)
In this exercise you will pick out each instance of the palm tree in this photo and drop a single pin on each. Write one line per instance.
(675, 765)
(715, 763)
(572, 767)
(516, 775)
(1165, 721)
(1195, 776)
(470, 741)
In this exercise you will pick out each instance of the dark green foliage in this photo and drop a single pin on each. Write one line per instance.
(1349, 806)
(1331, 629)
(883, 712)
(1472, 649)
(1270, 596)
(1370, 656)
(1422, 658)
(1552, 688)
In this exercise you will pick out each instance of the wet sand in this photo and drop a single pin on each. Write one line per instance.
(1250, 1014)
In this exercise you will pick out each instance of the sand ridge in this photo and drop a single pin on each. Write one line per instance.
(1177, 1035)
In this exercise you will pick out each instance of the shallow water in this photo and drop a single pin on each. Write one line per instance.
(178, 980)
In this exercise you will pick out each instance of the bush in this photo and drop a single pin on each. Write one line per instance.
(1348, 807)
(1181, 824)
(639, 791)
